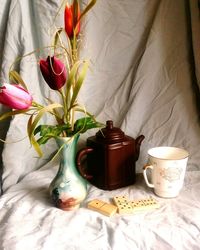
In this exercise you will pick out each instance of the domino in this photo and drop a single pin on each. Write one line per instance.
(144, 204)
(108, 209)
(126, 206)
(95, 204)
(123, 205)
(119, 199)
(102, 207)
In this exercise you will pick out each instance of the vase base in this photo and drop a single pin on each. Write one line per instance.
(69, 208)
(68, 205)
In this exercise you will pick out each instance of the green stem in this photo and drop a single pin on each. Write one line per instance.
(74, 59)
(37, 105)
(64, 105)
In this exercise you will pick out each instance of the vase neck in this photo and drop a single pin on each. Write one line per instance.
(67, 147)
(65, 141)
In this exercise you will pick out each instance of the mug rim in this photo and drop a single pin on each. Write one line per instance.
(168, 147)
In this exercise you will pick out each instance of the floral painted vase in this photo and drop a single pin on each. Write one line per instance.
(68, 189)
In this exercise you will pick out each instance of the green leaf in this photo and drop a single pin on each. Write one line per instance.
(55, 112)
(43, 140)
(72, 76)
(75, 10)
(79, 82)
(32, 138)
(36, 146)
(57, 36)
(87, 8)
(15, 76)
(83, 124)
(79, 108)
(49, 131)
(75, 15)
(42, 111)
(12, 113)
(32, 125)
(60, 8)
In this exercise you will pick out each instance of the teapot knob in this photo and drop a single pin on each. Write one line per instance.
(109, 124)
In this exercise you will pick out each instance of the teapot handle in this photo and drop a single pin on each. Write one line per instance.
(79, 156)
(138, 142)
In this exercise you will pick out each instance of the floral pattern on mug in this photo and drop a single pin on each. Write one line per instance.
(171, 174)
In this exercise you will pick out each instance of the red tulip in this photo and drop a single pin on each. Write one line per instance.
(71, 18)
(54, 72)
(15, 97)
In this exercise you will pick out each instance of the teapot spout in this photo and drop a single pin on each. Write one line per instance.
(138, 142)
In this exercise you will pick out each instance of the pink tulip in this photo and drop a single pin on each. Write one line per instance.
(15, 97)
(54, 72)
(71, 20)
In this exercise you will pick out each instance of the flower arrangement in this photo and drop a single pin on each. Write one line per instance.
(64, 72)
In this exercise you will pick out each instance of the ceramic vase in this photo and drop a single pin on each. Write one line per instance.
(68, 189)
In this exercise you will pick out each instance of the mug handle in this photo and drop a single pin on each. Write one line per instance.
(145, 175)
(79, 156)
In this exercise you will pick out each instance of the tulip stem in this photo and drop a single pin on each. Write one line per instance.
(65, 117)
(37, 105)
(73, 42)
(64, 104)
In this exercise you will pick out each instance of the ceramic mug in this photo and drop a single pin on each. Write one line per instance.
(167, 167)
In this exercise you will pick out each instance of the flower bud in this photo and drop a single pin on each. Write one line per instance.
(54, 72)
(71, 18)
(15, 97)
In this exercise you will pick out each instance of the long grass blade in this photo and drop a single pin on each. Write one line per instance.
(44, 110)
(15, 76)
(12, 113)
(87, 8)
(79, 82)
(32, 138)
(72, 76)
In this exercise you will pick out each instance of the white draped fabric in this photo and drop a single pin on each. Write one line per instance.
(145, 77)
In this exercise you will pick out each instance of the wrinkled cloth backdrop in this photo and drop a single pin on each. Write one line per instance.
(144, 76)
(145, 73)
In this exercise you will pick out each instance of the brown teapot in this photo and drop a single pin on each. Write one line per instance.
(111, 157)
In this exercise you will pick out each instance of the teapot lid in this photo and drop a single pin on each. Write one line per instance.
(110, 134)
